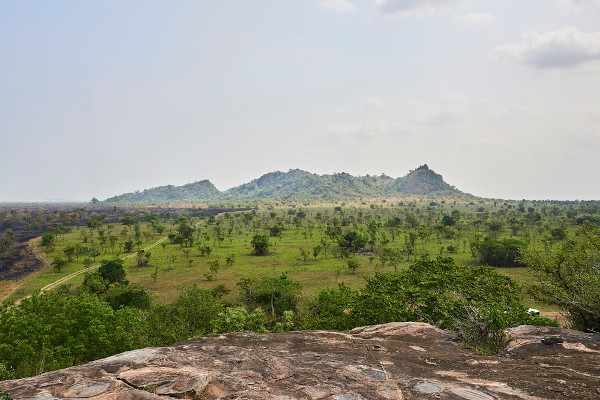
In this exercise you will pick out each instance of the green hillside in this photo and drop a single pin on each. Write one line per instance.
(299, 185)
(197, 191)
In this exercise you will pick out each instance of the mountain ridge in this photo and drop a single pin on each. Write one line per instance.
(300, 185)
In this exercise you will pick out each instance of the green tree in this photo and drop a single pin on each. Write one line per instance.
(112, 271)
(442, 293)
(59, 263)
(237, 319)
(48, 240)
(331, 309)
(275, 295)
(190, 315)
(260, 244)
(53, 330)
(569, 277)
(353, 240)
(353, 264)
(7, 239)
(499, 253)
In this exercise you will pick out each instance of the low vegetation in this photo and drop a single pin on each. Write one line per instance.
(460, 264)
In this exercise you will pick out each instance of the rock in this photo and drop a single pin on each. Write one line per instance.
(552, 339)
(391, 361)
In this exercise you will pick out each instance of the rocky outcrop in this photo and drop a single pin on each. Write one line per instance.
(391, 361)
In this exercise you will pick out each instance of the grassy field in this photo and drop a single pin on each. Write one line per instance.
(416, 230)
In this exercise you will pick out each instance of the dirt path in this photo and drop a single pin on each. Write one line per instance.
(7, 290)
(77, 273)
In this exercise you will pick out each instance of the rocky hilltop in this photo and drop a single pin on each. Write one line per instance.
(298, 185)
(390, 361)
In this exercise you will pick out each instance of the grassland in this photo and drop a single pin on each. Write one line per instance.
(409, 228)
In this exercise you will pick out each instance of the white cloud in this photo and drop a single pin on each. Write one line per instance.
(563, 48)
(476, 20)
(337, 5)
(409, 8)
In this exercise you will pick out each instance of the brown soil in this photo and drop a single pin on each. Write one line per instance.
(23, 261)
(558, 316)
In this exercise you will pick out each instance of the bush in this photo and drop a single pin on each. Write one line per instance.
(274, 295)
(353, 240)
(569, 277)
(260, 244)
(237, 319)
(51, 331)
(4, 395)
(499, 253)
(482, 330)
(477, 302)
(112, 271)
(331, 309)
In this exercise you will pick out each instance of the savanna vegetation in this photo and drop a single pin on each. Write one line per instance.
(471, 266)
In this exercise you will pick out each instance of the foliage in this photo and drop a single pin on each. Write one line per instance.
(353, 264)
(286, 323)
(482, 329)
(189, 316)
(476, 301)
(51, 331)
(274, 295)
(3, 394)
(331, 309)
(237, 319)
(260, 244)
(569, 277)
(119, 296)
(48, 239)
(353, 240)
(500, 253)
(7, 239)
(112, 271)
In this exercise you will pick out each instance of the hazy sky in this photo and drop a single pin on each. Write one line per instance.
(99, 98)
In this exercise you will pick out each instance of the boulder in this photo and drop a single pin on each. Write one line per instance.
(391, 361)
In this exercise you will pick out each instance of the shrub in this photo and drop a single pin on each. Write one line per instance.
(499, 253)
(237, 319)
(260, 244)
(570, 277)
(4, 395)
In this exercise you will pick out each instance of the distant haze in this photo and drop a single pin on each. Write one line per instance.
(102, 98)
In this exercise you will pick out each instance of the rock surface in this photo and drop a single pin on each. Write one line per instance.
(391, 361)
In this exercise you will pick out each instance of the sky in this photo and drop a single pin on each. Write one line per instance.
(99, 98)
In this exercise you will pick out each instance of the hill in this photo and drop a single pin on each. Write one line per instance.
(299, 185)
(198, 191)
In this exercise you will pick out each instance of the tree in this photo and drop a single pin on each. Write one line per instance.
(353, 240)
(59, 263)
(260, 244)
(448, 220)
(443, 293)
(276, 295)
(353, 264)
(48, 239)
(7, 239)
(112, 271)
(499, 253)
(569, 277)
(53, 330)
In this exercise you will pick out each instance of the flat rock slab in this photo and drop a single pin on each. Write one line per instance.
(390, 361)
